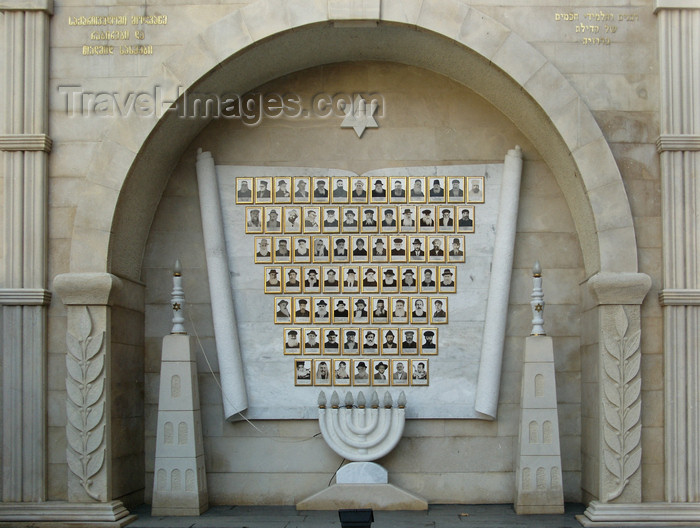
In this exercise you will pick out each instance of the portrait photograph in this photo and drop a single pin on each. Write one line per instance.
(436, 251)
(312, 219)
(301, 187)
(475, 189)
(436, 190)
(360, 310)
(263, 250)
(351, 279)
(322, 310)
(320, 192)
(360, 372)
(409, 342)
(350, 216)
(390, 341)
(378, 193)
(465, 219)
(370, 342)
(263, 190)
(358, 189)
(390, 279)
(446, 221)
(416, 189)
(302, 249)
(292, 279)
(330, 221)
(419, 371)
(283, 250)
(283, 310)
(312, 280)
(273, 219)
(409, 279)
(340, 186)
(399, 310)
(350, 341)
(428, 279)
(331, 342)
(380, 370)
(399, 372)
(254, 219)
(283, 189)
(244, 190)
(388, 221)
(456, 249)
(419, 310)
(292, 343)
(341, 372)
(380, 310)
(369, 223)
(322, 372)
(397, 194)
(428, 341)
(416, 253)
(320, 250)
(448, 279)
(427, 222)
(370, 279)
(273, 279)
(292, 220)
(359, 245)
(455, 193)
(380, 250)
(398, 252)
(302, 311)
(331, 279)
(408, 221)
(341, 249)
(302, 371)
(341, 310)
(438, 313)
(312, 343)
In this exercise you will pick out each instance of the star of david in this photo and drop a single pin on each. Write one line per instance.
(176, 307)
(358, 117)
(538, 307)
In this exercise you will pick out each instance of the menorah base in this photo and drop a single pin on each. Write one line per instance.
(376, 496)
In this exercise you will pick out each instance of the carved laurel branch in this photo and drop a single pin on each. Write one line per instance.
(85, 387)
(622, 404)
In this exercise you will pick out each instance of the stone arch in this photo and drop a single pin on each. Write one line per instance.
(270, 38)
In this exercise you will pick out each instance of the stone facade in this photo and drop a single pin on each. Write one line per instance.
(96, 208)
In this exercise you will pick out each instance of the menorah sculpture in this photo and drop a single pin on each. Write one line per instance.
(362, 433)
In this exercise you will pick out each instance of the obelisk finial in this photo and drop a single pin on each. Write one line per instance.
(177, 302)
(537, 302)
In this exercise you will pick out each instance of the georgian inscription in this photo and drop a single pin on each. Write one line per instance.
(117, 34)
(596, 28)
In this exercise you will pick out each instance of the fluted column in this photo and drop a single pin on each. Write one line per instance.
(24, 148)
(679, 148)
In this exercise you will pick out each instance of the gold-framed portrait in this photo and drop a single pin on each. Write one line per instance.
(283, 189)
(322, 309)
(380, 369)
(390, 279)
(244, 190)
(273, 279)
(465, 220)
(273, 219)
(292, 342)
(379, 251)
(397, 192)
(438, 312)
(302, 311)
(331, 279)
(341, 248)
(370, 279)
(455, 193)
(398, 251)
(409, 341)
(427, 223)
(350, 219)
(380, 310)
(351, 279)
(370, 219)
(350, 341)
(399, 310)
(399, 371)
(322, 372)
(312, 280)
(408, 220)
(320, 252)
(456, 251)
(341, 372)
(370, 342)
(360, 372)
(301, 186)
(436, 191)
(428, 279)
(263, 250)
(358, 191)
(390, 341)
(331, 342)
(302, 249)
(254, 219)
(417, 252)
(378, 193)
(263, 190)
(429, 341)
(283, 314)
(420, 371)
(331, 220)
(446, 220)
(292, 219)
(417, 189)
(360, 310)
(475, 189)
(283, 249)
(292, 279)
(389, 222)
(409, 279)
(340, 189)
(312, 343)
(419, 310)
(320, 193)
(436, 251)
(341, 310)
(312, 219)
(448, 279)
(302, 371)
(359, 245)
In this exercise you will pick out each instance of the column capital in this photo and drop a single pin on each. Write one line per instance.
(95, 289)
(27, 5)
(675, 4)
(619, 288)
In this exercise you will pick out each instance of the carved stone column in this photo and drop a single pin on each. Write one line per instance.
(679, 148)
(24, 148)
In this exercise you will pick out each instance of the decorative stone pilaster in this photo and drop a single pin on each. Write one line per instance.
(679, 150)
(24, 147)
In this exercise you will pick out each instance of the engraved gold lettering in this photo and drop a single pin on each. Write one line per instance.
(98, 21)
(136, 50)
(110, 35)
(152, 20)
(98, 50)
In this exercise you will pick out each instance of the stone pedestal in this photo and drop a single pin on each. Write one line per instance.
(538, 481)
(179, 484)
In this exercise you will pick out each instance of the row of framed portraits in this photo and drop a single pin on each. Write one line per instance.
(359, 248)
(352, 341)
(359, 189)
(361, 310)
(361, 372)
(361, 279)
(274, 219)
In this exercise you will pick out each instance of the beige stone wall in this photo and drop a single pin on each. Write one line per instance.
(429, 120)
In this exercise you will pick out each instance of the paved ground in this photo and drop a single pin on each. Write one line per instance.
(438, 516)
